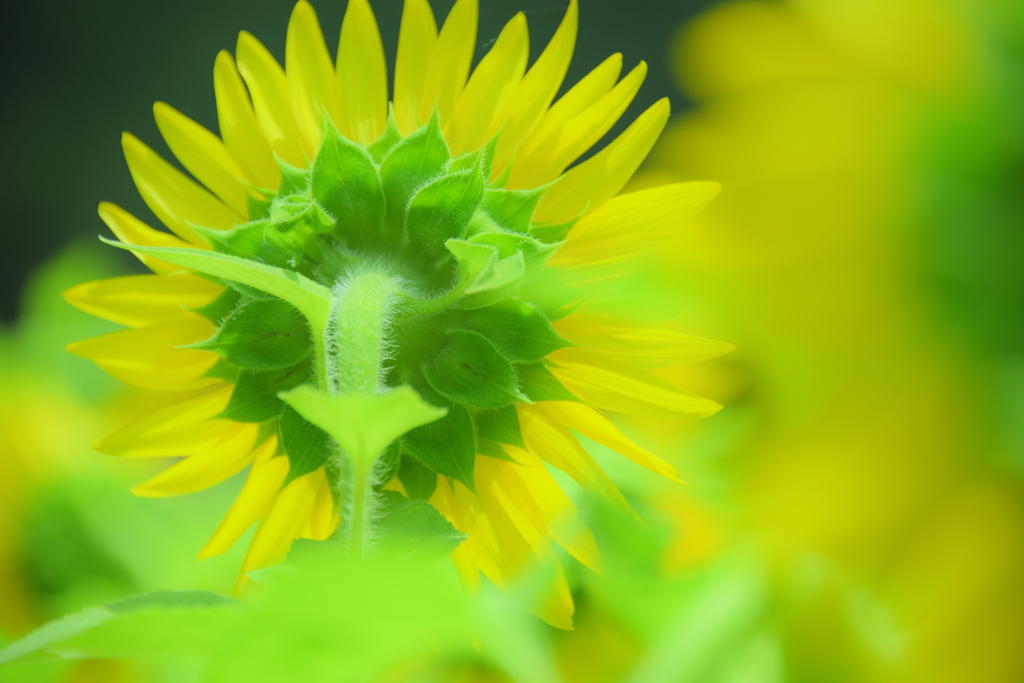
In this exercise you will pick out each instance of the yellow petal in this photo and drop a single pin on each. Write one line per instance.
(183, 428)
(548, 157)
(449, 62)
(465, 515)
(482, 103)
(137, 300)
(538, 88)
(203, 155)
(595, 181)
(593, 425)
(147, 357)
(323, 519)
(131, 230)
(416, 41)
(363, 73)
(629, 223)
(176, 200)
(271, 99)
(273, 538)
(613, 385)
(314, 86)
(266, 476)
(239, 128)
(638, 343)
(546, 437)
(216, 463)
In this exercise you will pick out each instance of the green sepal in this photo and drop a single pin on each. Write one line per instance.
(418, 480)
(245, 241)
(500, 425)
(259, 208)
(482, 271)
(296, 225)
(446, 446)
(414, 530)
(254, 398)
(224, 370)
(518, 330)
(470, 370)
(409, 166)
(264, 334)
(540, 385)
(294, 180)
(553, 233)
(391, 136)
(363, 425)
(388, 465)
(512, 250)
(308, 447)
(513, 209)
(492, 449)
(346, 183)
(221, 307)
(482, 157)
(442, 210)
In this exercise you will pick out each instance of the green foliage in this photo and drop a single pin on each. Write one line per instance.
(442, 210)
(308, 447)
(418, 480)
(446, 445)
(470, 370)
(414, 530)
(255, 399)
(296, 224)
(500, 425)
(265, 334)
(218, 309)
(346, 182)
(518, 330)
(420, 156)
(512, 209)
(540, 385)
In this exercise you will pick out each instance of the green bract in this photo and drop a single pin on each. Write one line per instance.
(384, 267)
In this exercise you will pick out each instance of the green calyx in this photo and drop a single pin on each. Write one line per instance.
(382, 267)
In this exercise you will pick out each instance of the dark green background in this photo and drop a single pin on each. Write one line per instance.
(78, 74)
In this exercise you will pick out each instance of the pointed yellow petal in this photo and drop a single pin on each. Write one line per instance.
(557, 605)
(416, 41)
(147, 357)
(548, 157)
(449, 63)
(538, 88)
(183, 428)
(595, 181)
(363, 73)
(239, 128)
(493, 81)
(263, 483)
(465, 514)
(203, 155)
(137, 300)
(593, 425)
(626, 224)
(273, 538)
(613, 385)
(638, 343)
(131, 230)
(546, 437)
(217, 463)
(465, 567)
(314, 86)
(271, 99)
(177, 201)
(323, 519)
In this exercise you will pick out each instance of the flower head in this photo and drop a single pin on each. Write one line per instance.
(350, 276)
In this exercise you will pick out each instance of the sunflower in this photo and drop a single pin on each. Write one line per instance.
(407, 255)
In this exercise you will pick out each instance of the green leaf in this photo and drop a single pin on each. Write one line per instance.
(312, 299)
(492, 449)
(540, 385)
(221, 307)
(500, 425)
(519, 331)
(410, 165)
(294, 180)
(297, 222)
(482, 157)
(414, 529)
(254, 398)
(179, 623)
(442, 210)
(346, 183)
(265, 334)
(258, 207)
(363, 425)
(553, 233)
(245, 241)
(535, 253)
(482, 271)
(308, 447)
(391, 136)
(470, 370)
(418, 481)
(513, 209)
(446, 446)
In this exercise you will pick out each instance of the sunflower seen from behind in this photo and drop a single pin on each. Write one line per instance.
(364, 300)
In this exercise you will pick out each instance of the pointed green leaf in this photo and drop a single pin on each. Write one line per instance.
(500, 425)
(258, 206)
(391, 136)
(519, 331)
(363, 425)
(254, 398)
(470, 370)
(540, 385)
(513, 209)
(492, 449)
(410, 165)
(418, 480)
(535, 253)
(552, 233)
(312, 299)
(446, 446)
(221, 307)
(442, 210)
(483, 157)
(307, 446)
(414, 529)
(265, 334)
(346, 183)
(294, 180)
